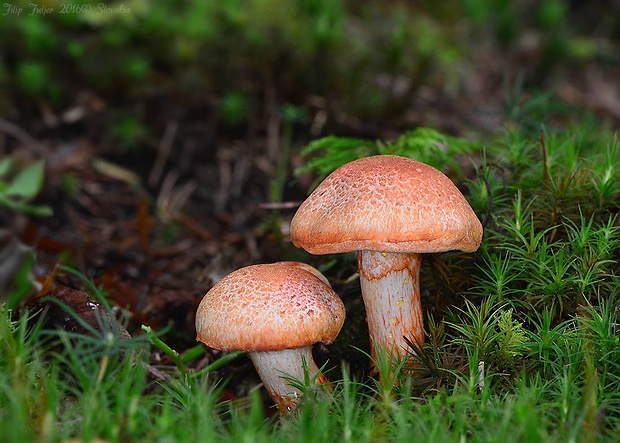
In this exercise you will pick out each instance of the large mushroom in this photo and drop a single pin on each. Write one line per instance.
(390, 209)
(275, 312)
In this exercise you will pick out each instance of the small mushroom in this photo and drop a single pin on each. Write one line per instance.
(390, 209)
(275, 312)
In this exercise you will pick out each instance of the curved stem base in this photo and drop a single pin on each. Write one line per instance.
(275, 368)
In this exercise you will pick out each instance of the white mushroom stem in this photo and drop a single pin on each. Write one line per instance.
(390, 288)
(274, 367)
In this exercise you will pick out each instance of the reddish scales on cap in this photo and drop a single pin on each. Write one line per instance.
(306, 267)
(269, 307)
(386, 203)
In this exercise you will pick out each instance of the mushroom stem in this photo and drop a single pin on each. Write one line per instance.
(274, 367)
(390, 288)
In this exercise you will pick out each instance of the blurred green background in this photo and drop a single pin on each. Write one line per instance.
(117, 72)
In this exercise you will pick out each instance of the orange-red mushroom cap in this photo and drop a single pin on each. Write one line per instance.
(386, 203)
(269, 307)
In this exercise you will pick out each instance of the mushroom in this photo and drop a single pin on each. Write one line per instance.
(275, 312)
(389, 209)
